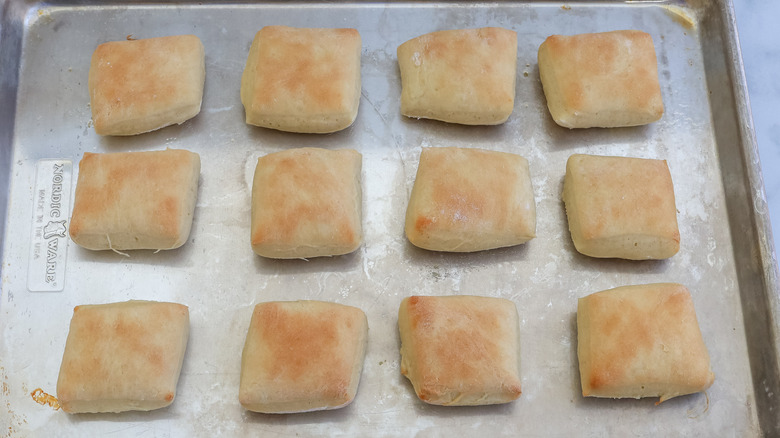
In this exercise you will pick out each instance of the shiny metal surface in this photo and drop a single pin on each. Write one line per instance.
(726, 256)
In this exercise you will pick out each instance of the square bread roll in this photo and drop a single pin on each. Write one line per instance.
(135, 200)
(138, 86)
(460, 350)
(605, 80)
(302, 80)
(470, 200)
(123, 356)
(641, 341)
(460, 76)
(621, 207)
(302, 356)
(307, 202)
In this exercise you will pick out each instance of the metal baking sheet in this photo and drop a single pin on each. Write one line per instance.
(726, 256)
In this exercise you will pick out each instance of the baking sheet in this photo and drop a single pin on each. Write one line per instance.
(726, 258)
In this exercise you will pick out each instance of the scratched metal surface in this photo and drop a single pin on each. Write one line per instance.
(706, 136)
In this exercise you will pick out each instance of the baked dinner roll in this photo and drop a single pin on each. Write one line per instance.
(460, 350)
(470, 200)
(138, 86)
(302, 356)
(307, 202)
(135, 200)
(460, 76)
(302, 80)
(641, 341)
(123, 356)
(621, 207)
(606, 80)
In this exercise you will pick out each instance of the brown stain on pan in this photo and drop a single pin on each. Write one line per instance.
(42, 398)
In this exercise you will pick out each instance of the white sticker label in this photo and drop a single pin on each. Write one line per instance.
(49, 241)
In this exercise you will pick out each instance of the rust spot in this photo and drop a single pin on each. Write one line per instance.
(42, 398)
